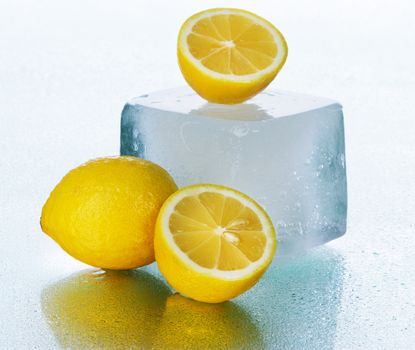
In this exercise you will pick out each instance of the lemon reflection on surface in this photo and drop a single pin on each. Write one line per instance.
(98, 309)
(188, 324)
(105, 309)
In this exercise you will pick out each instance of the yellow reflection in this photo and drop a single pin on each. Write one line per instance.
(105, 309)
(187, 324)
(133, 309)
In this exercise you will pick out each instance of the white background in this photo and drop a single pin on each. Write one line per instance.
(67, 68)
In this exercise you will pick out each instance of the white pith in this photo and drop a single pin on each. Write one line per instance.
(242, 78)
(227, 275)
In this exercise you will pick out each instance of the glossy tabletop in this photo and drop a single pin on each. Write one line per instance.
(66, 70)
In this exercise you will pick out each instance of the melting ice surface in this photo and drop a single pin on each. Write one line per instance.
(285, 150)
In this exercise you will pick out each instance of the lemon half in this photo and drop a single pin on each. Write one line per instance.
(229, 55)
(212, 243)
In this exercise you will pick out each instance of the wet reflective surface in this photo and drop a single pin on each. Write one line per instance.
(101, 309)
(296, 306)
(136, 310)
(66, 70)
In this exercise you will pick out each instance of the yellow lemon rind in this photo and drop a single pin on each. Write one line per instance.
(104, 215)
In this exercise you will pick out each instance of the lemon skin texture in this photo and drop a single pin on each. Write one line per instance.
(103, 212)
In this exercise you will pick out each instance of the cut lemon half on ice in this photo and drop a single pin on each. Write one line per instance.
(213, 243)
(229, 55)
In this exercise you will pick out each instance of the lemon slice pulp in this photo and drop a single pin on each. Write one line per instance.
(229, 55)
(215, 236)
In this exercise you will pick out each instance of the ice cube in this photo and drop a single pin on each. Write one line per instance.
(285, 150)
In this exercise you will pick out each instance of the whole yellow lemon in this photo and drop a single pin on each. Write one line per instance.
(103, 212)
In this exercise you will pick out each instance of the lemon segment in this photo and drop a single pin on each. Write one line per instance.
(212, 243)
(229, 55)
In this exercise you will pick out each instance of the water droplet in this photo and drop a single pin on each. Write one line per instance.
(239, 131)
(98, 272)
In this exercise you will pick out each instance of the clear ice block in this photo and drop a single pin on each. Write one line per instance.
(285, 150)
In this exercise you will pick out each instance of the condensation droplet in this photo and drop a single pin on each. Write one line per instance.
(239, 131)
